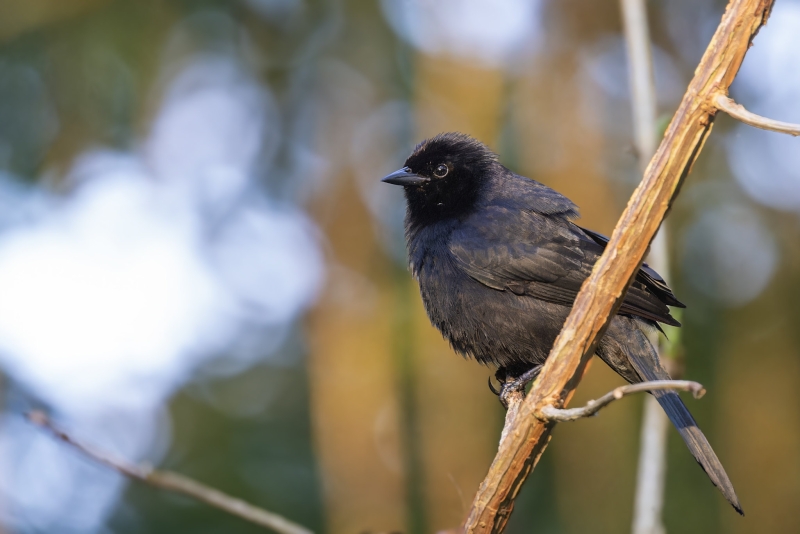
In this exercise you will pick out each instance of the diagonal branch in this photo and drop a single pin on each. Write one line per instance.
(526, 436)
(551, 413)
(175, 482)
(737, 111)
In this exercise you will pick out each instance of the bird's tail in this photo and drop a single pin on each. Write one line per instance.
(644, 359)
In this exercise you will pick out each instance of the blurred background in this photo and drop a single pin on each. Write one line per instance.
(199, 267)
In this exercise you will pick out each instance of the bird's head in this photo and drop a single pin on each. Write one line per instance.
(444, 176)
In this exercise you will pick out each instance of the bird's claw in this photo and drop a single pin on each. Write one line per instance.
(510, 386)
(492, 388)
(509, 389)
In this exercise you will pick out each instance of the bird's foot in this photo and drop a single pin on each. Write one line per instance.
(510, 385)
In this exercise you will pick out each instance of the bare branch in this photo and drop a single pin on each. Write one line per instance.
(551, 413)
(514, 399)
(602, 292)
(737, 111)
(175, 482)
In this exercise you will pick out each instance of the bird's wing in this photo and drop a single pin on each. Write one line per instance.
(646, 275)
(543, 257)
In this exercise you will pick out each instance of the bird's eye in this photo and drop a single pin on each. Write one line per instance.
(441, 170)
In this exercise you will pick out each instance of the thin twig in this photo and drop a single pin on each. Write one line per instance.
(175, 482)
(651, 471)
(602, 292)
(551, 413)
(737, 111)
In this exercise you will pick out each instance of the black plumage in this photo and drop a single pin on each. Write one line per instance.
(499, 263)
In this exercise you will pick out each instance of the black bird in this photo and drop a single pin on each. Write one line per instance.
(499, 263)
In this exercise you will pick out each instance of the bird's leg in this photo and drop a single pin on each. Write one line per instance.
(510, 383)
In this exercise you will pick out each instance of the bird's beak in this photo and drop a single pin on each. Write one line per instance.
(405, 177)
